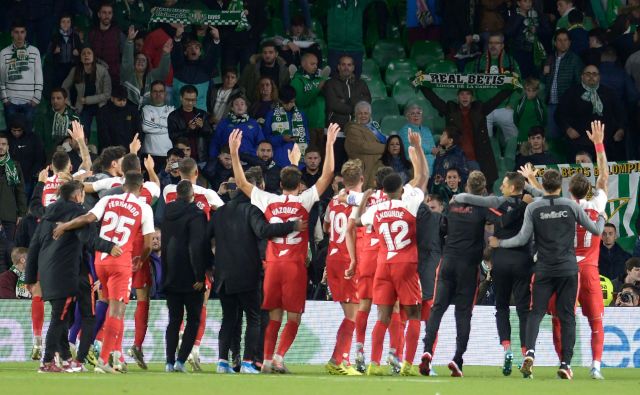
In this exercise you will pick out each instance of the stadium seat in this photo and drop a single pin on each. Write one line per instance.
(403, 91)
(383, 107)
(446, 94)
(386, 50)
(432, 118)
(377, 89)
(425, 52)
(401, 69)
(442, 66)
(370, 70)
(275, 28)
(391, 124)
(317, 28)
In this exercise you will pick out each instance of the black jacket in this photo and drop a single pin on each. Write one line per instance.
(612, 261)
(118, 125)
(429, 248)
(178, 128)
(270, 173)
(185, 248)
(29, 152)
(58, 262)
(237, 228)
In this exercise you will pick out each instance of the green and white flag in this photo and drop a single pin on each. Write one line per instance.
(622, 207)
(466, 81)
(234, 16)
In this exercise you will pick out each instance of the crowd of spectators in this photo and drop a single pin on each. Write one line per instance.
(182, 89)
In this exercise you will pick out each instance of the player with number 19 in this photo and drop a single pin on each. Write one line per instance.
(285, 277)
(396, 277)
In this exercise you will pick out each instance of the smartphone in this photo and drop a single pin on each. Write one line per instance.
(196, 118)
(175, 166)
(232, 186)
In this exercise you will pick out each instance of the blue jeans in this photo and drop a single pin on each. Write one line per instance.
(11, 110)
(286, 18)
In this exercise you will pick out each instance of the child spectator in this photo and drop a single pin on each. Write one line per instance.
(449, 156)
(452, 185)
(530, 111)
(64, 49)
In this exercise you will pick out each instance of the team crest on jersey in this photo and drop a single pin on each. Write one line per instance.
(200, 205)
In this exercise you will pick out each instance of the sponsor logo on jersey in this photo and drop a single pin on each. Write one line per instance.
(554, 214)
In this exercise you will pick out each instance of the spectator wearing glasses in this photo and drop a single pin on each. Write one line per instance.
(413, 113)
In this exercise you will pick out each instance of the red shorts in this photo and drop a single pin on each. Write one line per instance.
(142, 277)
(397, 281)
(365, 272)
(342, 290)
(590, 292)
(116, 282)
(285, 286)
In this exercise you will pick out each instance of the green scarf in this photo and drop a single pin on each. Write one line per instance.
(591, 95)
(234, 15)
(238, 119)
(280, 125)
(21, 288)
(19, 62)
(10, 170)
(61, 123)
(468, 81)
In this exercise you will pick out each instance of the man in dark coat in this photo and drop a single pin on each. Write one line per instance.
(118, 121)
(185, 258)
(470, 117)
(57, 264)
(238, 268)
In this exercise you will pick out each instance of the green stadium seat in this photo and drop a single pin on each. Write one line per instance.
(391, 124)
(442, 66)
(5, 39)
(370, 70)
(402, 69)
(383, 107)
(377, 88)
(317, 28)
(446, 94)
(385, 51)
(425, 52)
(403, 91)
(432, 118)
(510, 149)
(275, 28)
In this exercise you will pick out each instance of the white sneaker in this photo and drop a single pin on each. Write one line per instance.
(596, 374)
(194, 360)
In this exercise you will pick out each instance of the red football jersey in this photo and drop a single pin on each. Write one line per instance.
(284, 208)
(395, 223)
(149, 191)
(123, 217)
(337, 216)
(50, 190)
(205, 199)
(587, 244)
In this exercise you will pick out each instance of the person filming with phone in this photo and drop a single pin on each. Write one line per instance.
(190, 122)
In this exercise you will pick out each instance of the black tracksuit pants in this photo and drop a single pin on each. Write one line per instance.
(56, 340)
(511, 273)
(232, 307)
(86, 304)
(566, 289)
(177, 303)
(457, 283)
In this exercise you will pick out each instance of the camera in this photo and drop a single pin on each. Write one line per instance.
(626, 297)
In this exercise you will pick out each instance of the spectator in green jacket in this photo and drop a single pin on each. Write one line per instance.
(530, 111)
(308, 83)
(563, 70)
(53, 125)
(344, 21)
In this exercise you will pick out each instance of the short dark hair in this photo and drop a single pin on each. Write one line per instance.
(312, 149)
(188, 89)
(453, 133)
(133, 180)
(290, 177)
(344, 55)
(184, 190)
(381, 173)
(188, 166)
(632, 263)
(610, 225)
(183, 141)
(224, 149)
(536, 130)
(633, 287)
(229, 69)
(158, 82)
(579, 186)
(119, 92)
(392, 183)
(264, 142)
(67, 189)
(585, 153)
(18, 22)
(575, 16)
(551, 180)
(110, 154)
(254, 175)
(60, 160)
(268, 43)
(436, 197)
(453, 168)
(175, 152)
(61, 90)
(599, 34)
(477, 182)
(516, 180)
(559, 32)
(131, 162)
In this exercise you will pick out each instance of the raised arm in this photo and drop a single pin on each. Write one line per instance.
(77, 133)
(529, 172)
(583, 219)
(235, 139)
(481, 201)
(596, 135)
(419, 162)
(326, 178)
(149, 165)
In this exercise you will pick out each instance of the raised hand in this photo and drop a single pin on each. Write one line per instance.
(235, 140)
(149, 163)
(332, 133)
(132, 33)
(168, 46)
(135, 145)
(77, 131)
(44, 173)
(215, 33)
(528, 170)
(596, 134)
(294, 155)
(415, 139)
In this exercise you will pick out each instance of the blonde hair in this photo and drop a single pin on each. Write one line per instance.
(532, 83)
(352, 172)
(476, 182)
(18, 253)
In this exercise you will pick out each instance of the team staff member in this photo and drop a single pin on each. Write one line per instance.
(552, 221)
(185, 257)
(512, 267)
(458, 274)
(57, 263)
(238, 268)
